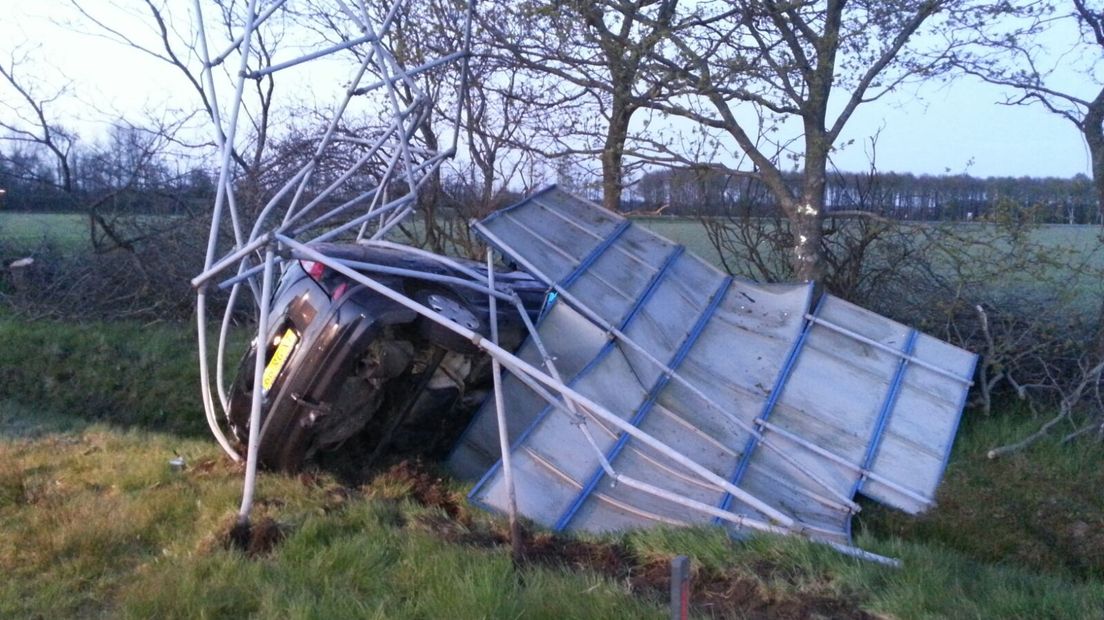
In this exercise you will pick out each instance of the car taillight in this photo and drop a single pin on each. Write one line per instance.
(340, 290)
(313, 269)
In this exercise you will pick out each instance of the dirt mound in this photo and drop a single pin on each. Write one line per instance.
(730, 594)
(255, 538)
(424, 487)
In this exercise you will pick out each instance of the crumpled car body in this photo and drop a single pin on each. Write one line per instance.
(352, 377)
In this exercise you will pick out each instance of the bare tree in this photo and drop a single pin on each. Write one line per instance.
(29, 120)
(88, 177)
(168, 34)
(591, 52)
(486, 122)
(783, 78)
(494, 124)
(1020, 56)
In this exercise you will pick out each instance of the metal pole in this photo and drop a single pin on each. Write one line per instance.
(881, 347)
(465, 74)
(503, 432)
(390, 81)
(229, 260)
(227, 145)
(258, 391)
(429, 277)
(205, 377)
(317, 54)
(680, 587)
(220, 356)
(238, 40)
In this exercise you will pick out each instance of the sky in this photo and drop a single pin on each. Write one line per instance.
(956, 127)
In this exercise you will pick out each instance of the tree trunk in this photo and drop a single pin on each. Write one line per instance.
(613, 154)
(429, 196)
(1092, 128)
(807, 217)
(808, 231)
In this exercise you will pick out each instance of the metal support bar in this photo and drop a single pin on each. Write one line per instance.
(316, 54)
(877, 345)
(238, 39)
(465, 72)
(396, 204)
(500, 414)
(220, 357)
(205, 379)
(887, 408)
(429, 277)
(229, 261)
(646, 406)
(258, 391)
(437, 62)
(444, 260)
(772, 400)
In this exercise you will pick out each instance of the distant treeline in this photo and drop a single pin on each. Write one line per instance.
(894, 195)
(116, 177)
(32, 182)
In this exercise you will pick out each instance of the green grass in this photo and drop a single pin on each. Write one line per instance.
(26, 232)
(22, 233)
(691, 233)
(932, 582)
(121, 373)
(93, 521)
(1040, 507)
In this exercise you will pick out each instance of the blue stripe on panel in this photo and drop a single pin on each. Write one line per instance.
(886, 410)
(768, 407)
(609, 346)
(653, 395)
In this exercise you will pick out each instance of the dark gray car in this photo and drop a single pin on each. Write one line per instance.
(352, 377)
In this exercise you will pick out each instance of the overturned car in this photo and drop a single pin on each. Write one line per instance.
(351, 376)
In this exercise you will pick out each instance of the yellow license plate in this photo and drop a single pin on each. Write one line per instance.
(279, 358)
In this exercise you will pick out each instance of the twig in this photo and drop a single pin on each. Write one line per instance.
(1036, 436)
(1081, 431)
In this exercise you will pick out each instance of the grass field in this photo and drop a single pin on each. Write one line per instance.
(25, 232)
(94, 522)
